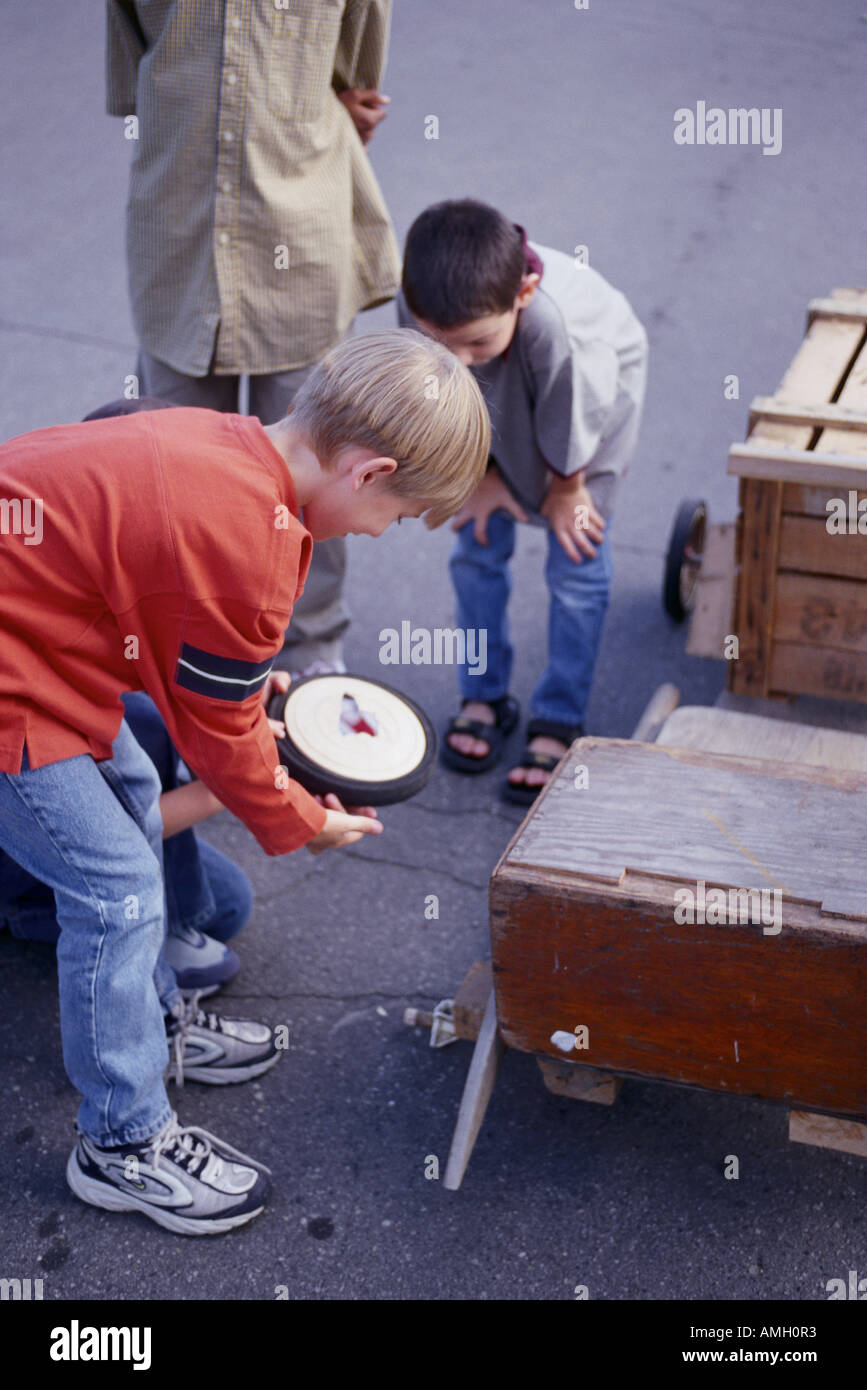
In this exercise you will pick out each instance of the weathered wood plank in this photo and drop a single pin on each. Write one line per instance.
(828, 1132)
(799, 669)
(806, 547)
(834, 309)
(757, 736)
(722, 1007)
(816, 416)
(579, 1083)
(821, 612)
(812, 379)
(779, 463)
(471, 1001)
(756, 585)
(477, 1094)
(713, 615)
(813, 501)
(660, 705)
(684, 815)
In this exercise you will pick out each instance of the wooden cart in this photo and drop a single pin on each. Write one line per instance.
(593, 974)
(591, 970)
(788, 580)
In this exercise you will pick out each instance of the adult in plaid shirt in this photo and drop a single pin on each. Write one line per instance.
(256, 229)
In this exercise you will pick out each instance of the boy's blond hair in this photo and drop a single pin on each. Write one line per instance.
(408, 398)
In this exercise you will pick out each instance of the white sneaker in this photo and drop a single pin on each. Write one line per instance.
(200, 963)
(184, 1178)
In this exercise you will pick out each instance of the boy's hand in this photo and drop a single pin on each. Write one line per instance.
(573, 516)
(277, 683)
(491, 495)
(342, 829)
(364, 105)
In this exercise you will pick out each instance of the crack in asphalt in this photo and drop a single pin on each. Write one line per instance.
(417, 868)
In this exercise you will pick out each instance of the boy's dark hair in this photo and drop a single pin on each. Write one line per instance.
(463, 260)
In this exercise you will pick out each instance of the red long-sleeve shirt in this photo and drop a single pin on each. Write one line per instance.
(158, 551)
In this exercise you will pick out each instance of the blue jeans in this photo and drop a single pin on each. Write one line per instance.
(93, 833)
(204, 889)
(578, 599)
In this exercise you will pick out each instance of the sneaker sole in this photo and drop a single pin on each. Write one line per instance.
(100, 1194)
(226, 1076)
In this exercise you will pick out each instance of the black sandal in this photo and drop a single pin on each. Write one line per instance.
(540, 728)
(507, 712)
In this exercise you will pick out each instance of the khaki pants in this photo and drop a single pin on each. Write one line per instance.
(321, 616)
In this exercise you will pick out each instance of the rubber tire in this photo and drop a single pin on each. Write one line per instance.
(319, 783)
(684, 524)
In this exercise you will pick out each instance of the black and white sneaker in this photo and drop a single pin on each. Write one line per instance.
(217, 1050)
(184, 1179)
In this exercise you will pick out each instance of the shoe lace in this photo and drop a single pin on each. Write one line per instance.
(190, 1146)
(190, 1014)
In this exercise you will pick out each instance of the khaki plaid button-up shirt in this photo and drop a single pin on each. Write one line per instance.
(255, 227)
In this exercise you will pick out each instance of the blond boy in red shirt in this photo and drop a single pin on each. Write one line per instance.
(164, 551)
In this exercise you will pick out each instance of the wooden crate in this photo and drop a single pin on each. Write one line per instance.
(585, 935)
(800, 611)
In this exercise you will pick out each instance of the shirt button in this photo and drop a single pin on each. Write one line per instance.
(226, 186)
(231, 78)
(223, 238)
(228, 136)
(236, 23)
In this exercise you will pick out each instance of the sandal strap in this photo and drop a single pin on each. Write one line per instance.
(549, 728)
(502, 707)
(477, 727)
(546, 761)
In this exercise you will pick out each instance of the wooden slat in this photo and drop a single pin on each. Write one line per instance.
(828, 1132)
(797, 669)
(579, 1083)
(776, 463)
(660, 705)
(806, 546)
(479, 1085)
(471, 1000)
(713, 615)
(717, 730)
(821, 611)
(852, 397)
(813, 501)
(811, 379)
(756, 585)
(683, 815)
(835, 309)
(767, 408)
(714, 1006)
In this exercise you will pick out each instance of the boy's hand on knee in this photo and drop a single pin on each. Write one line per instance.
(341, 828)
(490, 496)
(573, 516)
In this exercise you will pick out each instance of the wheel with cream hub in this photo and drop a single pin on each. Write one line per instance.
(356, 737)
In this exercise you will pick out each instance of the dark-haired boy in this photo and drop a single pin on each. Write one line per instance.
(561, 360)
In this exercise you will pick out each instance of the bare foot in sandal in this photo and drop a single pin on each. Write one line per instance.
(465, 743)
(537, 776)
